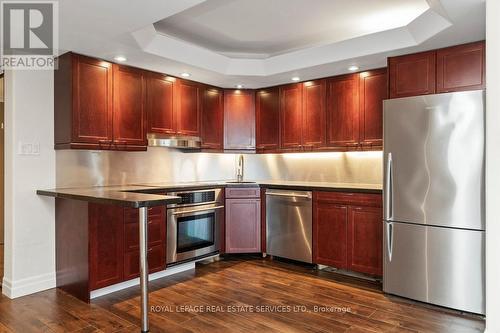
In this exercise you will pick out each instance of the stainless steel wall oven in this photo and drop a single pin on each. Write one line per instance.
(194, 225)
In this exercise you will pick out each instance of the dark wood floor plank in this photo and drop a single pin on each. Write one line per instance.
(213, 298)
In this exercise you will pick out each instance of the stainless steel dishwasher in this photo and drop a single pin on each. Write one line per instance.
(289, 224)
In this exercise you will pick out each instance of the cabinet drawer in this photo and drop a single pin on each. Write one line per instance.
(132, 214)
(243, 192)
(349, 198)
(156, 262)
(156, 234)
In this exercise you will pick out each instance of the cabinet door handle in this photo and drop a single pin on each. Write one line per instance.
(105, 141)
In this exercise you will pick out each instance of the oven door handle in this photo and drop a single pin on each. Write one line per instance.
(198, 210)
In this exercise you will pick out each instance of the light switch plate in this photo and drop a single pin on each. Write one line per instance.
(28, 148)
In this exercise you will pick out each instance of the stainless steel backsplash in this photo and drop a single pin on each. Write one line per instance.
(90, 168)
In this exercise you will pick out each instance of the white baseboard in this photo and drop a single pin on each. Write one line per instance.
(23, 287)
(131, 283)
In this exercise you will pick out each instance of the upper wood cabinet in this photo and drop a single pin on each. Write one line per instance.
(239, 119)
(267, 108)
(129, 106)
(83, 102)
(160, 104)
(291, 116)
(413, 74)
(188, 107)
(342, 111)
(461, 68)
(98, 105)
(455, 68)
(373, 90)
(212, 118)
(314, 114)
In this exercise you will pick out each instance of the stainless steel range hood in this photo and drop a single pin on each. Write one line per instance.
(172, 141)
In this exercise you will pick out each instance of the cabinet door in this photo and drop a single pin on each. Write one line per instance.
(129, 115)
(291, 116)
(330, 234)
(461, 68)
(365, 240)
(160, 104)
(314, 113)
(212, 118)
(188, 108)
(342, 109)
(412, 75)
(239, 119)
(373, 89)
(106, 245)
(242, 225)
(92, 100)
(267, 113)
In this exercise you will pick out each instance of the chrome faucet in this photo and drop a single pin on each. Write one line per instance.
(239, 170)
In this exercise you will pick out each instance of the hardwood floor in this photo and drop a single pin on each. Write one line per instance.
(236, 295)
(1, 263)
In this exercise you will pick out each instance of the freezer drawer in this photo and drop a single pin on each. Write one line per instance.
(441, 266)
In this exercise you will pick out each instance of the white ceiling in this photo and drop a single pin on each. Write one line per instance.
(264, 42)
(263, 28)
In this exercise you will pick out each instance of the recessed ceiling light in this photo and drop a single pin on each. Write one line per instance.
(120, 58)
(295, 78)
(239, 86)
(353, 68)
(185, 74)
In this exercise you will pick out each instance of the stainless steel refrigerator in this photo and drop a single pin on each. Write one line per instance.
(434, 224)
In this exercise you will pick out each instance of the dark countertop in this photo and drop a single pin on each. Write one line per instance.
(114, 195)
(153, 194)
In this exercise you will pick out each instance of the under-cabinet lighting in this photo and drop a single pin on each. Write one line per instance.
(185, 74)
(239, 86)
(295, 78)
(353, 68)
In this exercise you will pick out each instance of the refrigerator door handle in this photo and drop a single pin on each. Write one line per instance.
(390, 239)
(388, 186)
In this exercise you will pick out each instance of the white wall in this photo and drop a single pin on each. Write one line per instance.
(493, 166)
(29, 219)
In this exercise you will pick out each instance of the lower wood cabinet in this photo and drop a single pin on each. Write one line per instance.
(347, 231)
(243, 223)
(114, 243)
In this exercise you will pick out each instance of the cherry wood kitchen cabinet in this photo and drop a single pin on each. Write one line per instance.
(98, 105)
(160, 104)
(212, 118)
(129, 106)
(267, 119)
(412, 74)
(83, 102)
(314, 114)
(291, 116)
(188, 107)
(105, 245)
(243, 220)
(239, 119)
(157, 258)
(373, 89)
(461, 68)
(97, 245)
(342, 111)
(347, 231)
